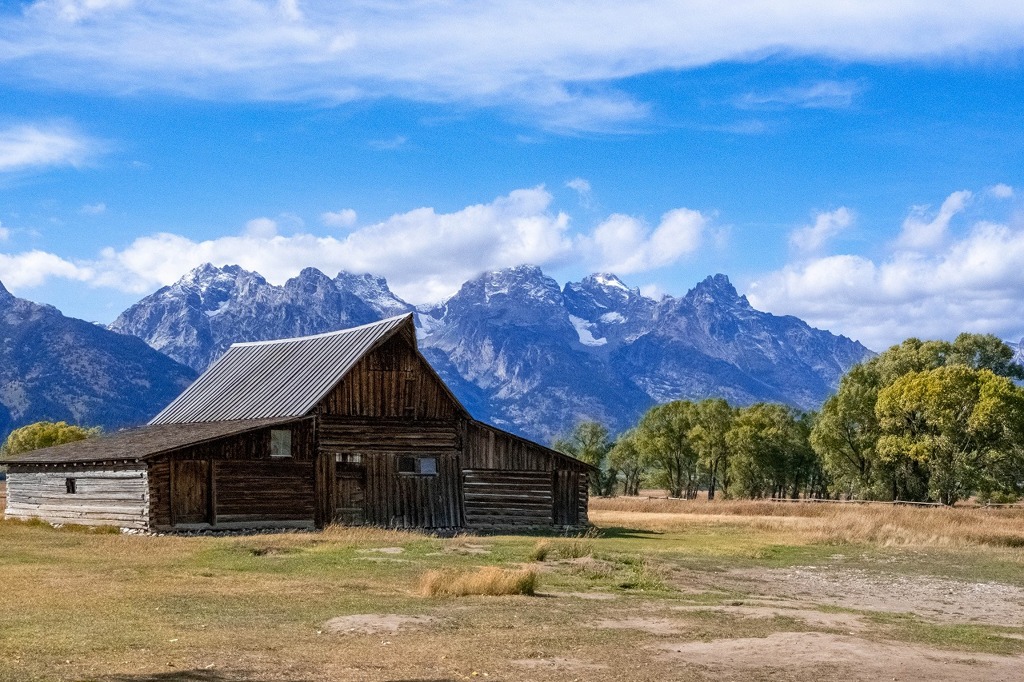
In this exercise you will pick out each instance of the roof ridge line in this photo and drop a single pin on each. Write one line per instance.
(271, 342)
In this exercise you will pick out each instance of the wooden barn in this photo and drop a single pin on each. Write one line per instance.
(350, 427)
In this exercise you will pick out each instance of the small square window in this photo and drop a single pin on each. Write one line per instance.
(70, 486)
(424, 466)
(280, 443)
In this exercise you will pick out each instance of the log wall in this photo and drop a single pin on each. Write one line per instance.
(104, 496)
(511, 482)
(234, 482)
(507, 499)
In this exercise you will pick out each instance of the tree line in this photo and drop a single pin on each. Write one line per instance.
(931, 421)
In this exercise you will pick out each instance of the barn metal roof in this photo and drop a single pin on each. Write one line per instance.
(284, 378)
(140, 443)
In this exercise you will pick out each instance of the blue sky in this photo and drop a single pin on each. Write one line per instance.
(858, 165)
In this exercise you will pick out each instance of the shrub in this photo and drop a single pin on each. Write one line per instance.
(489, 580)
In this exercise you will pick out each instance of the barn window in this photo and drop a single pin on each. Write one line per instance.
(349, 458)
(424, 466)
(71, 486)
(280, 443)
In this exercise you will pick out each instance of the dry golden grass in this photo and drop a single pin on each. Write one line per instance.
(561, 549)
(882, 525)
(488, 580)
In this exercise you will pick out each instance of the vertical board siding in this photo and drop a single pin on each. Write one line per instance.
(400, 500)
(392, 381)
(237, 479)
(103, 496)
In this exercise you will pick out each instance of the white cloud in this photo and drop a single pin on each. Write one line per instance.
(820, 95)
(261, 228)
(974, 283)
(36, 146)
(93, 209)
(624, 244)
(826, 226)
(346, 217)
(33, 268)
(1001, 191)
(425, 255)
(923, 232)
(549, 59)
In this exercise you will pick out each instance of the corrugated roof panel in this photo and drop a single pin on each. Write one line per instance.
(285, 378)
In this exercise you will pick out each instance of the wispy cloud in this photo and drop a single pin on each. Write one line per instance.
(42, 145)
(93, 209)
(922, 230)
(826, 225)
(558, 65)
(396, 142)
(820, 95)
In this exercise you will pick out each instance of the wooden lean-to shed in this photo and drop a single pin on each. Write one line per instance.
(349, 427)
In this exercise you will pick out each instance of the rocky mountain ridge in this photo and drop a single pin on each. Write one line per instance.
(56, 368)
(518, 349)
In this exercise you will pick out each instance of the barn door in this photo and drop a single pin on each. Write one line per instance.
(350, 490)
(190, 491)
(566, 498)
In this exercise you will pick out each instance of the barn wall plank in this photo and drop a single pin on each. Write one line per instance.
(103, 496)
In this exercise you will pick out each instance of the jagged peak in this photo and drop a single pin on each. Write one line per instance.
(4, 294)
(716, 288)
(606, 280)
(208, 272)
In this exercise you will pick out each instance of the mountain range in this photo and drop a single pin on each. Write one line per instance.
(59, 368)
(515, 347)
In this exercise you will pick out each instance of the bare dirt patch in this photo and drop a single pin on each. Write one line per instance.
(654, 626)
(558, 664)
(848, 622)
(830, 656)
(374, 623)
(590, 596)
(930, 597)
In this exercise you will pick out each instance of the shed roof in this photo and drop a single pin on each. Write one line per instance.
(140, 443)
(284, 378)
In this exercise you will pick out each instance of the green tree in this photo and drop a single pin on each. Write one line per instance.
(712, 420)
(770, 452)
(958, 425)
(44, 435)
(589, 442)
(847, 432)
(663, 437)
(625, 457)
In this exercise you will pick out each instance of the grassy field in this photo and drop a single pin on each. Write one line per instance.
(660, 590)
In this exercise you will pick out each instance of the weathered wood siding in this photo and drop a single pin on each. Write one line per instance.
(391, 405)
(511, 482)
(505, 499)
(106, 496)
(391, 381)
(234, 482)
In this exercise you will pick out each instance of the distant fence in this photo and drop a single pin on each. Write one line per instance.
(816, 500)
